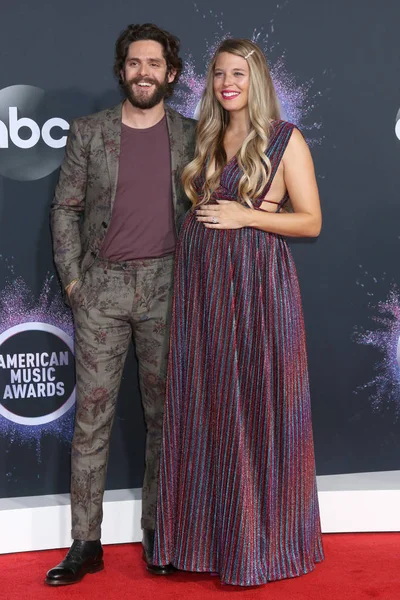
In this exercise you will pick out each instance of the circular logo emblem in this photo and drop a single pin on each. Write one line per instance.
(32, 138)
(37, 373)
(397, 127)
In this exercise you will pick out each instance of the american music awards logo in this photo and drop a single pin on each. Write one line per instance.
(36, 373)
(37, 365)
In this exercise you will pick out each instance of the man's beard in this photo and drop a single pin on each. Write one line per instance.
(145, 100)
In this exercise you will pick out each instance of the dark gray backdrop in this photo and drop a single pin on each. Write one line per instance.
(347, 56)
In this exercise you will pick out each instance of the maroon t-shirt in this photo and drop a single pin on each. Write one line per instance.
(142, 223)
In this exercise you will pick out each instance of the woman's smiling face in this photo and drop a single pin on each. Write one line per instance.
(231, 81)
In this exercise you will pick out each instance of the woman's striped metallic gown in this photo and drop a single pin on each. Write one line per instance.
(237, 489)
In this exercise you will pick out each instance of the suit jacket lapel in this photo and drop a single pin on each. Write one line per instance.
(175, 130)
(111, 128)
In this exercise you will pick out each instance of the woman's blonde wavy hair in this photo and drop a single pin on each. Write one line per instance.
(263, 109)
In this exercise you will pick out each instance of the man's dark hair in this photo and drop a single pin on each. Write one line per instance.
(148, 31)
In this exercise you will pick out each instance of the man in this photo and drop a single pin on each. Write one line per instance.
(115, 215)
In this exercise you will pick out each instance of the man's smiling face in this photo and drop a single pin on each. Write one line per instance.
(145, 74)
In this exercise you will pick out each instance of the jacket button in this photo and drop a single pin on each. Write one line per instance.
(104, 224)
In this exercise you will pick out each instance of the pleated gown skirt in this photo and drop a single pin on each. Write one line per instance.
(237, 489)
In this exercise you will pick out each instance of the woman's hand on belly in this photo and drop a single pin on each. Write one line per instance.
(227, 214)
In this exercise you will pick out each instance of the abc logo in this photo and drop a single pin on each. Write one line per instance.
(15, 124)
(397, 129)
(32, 139)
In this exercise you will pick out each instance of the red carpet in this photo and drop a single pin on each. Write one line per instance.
(357, 566)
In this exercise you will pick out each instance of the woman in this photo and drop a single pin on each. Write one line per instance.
(237, 492)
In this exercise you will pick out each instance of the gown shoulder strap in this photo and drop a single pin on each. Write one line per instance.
(280, 136)
(281, 133)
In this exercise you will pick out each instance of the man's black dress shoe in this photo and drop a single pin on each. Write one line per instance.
(148, 546)
(82, 558)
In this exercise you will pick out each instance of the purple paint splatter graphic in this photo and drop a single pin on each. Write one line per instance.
(384, 387)
(297, 100)
(18, 305)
